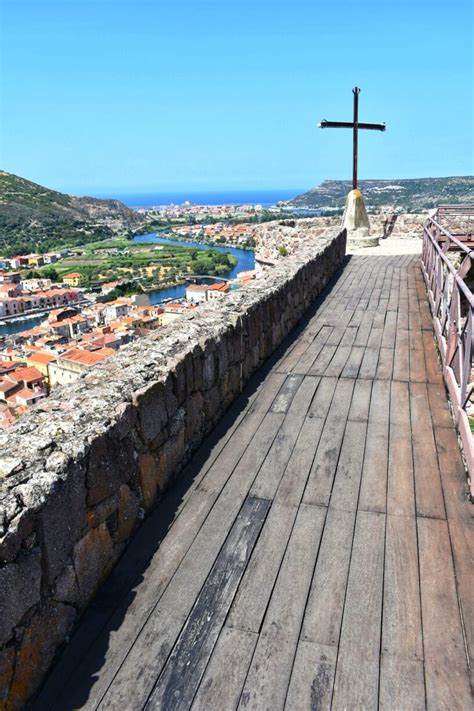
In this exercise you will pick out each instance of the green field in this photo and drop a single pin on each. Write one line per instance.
(120, 259)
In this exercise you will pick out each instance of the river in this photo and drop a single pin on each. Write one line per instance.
(245, 262)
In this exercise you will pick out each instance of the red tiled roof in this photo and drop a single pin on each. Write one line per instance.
(87, 357)
(43, 358)
(27, 375)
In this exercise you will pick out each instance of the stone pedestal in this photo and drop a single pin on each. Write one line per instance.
(356, 222)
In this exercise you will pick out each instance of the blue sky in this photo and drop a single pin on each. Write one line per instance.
(155, 95)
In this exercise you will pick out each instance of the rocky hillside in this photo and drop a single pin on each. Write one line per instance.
(414, 195)
(34, 218)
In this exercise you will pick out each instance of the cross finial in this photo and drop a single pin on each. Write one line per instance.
(355, 125)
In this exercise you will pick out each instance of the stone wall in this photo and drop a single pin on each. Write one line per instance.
(79, 472)
(278, 239)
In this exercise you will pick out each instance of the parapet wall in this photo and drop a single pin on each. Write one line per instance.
(79, 472)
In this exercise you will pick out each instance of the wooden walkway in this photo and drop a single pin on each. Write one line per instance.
(320, 552)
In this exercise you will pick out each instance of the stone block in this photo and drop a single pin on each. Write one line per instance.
(126, 415)
(20, 528)
(170, 460)
(127, 513)
(151, 405)
(222, 360)
(45, 632)
(65, 587)
(211, 404)
(111, 464)
(93, 559)
(20, 584)
(208, 370)
(7, 662)
(180, 382)
(101, 512)
(197, 368)
(189, 372)
(194, 416)
(171, 401)
(148, 478)
(61, 521)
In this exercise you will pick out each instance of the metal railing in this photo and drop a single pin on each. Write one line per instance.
(446, 263)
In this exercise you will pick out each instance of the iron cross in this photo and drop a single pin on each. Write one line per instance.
(355, 125)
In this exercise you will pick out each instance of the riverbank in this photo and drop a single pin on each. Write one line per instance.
(170, 291)
(245, 258)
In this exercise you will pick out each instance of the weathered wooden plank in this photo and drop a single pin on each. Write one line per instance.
(461, 527)
(345, 489)
(375, 338)
(352, 365)
(433, 365)
(258, 441)
(320, 480)
(224, 677)
(401, 627)
(364, 330)
(389, 330)
(446, 673)
(357, 671)
(313, 352)
(401, 360)
(417, 366)
(261, 400)
(337, 363)
(273, 467)
(267, 681)
(402, 684)
(297, 471)
(368, 368)
(400, 490)
(429, 494)
(416, 340)
(373, 491)
(288, 390)
(293, 353)
(256, 587)
(312, 678)
(320, 364)
(438, 404)
(385, 364)
(185, 667)
(338, 332)
(323, 615)
(414, 320)
(359, 410)
(425, 315)
(379, 316)
(349, 336)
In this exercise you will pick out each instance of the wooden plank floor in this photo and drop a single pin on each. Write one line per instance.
(319, 552)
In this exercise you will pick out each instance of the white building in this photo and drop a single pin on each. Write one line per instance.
(115, 310)
(32, 284)
(196, 293)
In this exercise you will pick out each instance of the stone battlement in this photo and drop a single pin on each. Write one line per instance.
(79, 472)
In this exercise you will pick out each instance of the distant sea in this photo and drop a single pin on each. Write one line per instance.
(231, 197)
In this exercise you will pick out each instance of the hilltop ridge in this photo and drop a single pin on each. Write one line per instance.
(35, 218)
(407, 195)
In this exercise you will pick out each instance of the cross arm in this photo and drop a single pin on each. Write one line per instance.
(349, 124)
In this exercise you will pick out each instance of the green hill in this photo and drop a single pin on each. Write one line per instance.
(410, 195)
(36, 219)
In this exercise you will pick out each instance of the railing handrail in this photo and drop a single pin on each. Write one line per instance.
(450, 236)
(453, 317)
